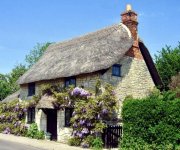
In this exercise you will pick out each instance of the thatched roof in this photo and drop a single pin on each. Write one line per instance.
(86, 54)
(12, 97)
(46, 102)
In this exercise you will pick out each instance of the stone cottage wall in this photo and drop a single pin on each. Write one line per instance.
(41, 120)
(88, 81)
(135, 79)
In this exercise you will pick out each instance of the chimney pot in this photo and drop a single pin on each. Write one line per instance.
(128, 7)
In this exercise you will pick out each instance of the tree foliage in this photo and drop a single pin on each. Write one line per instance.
(4, 86)
(168, 63)
(16, 72)
(36, 53)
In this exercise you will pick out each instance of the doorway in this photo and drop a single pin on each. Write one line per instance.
(52, 123)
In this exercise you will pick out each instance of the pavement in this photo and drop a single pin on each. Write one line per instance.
(9, 142)
(7, 145)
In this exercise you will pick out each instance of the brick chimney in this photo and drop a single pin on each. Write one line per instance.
(129, 18)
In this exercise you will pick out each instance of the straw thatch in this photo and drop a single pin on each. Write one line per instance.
(12, 97)
(46, 102)
(86, 54)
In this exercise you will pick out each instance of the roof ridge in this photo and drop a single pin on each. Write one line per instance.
(83, 38)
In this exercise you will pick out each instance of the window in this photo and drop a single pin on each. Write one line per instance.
(70, 81)
(68, 115)
(31, 115)
(116, 70)
(31, 89)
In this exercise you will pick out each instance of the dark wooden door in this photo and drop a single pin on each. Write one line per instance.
(52, 123)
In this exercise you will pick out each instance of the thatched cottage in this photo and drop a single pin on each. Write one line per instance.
(115, 55)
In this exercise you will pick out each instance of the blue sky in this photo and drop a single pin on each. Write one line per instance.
(23, 23)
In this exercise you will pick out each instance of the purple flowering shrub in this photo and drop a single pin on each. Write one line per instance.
(12, 118)
(68, 97)
(91, 114)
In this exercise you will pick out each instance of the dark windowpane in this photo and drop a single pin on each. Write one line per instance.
(68, 115)
(116, 70)
(70, 81)
(31, 89)
(66, 83)
(31, 115)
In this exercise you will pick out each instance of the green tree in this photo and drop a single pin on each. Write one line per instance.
(16, 72)
(4, 87)
(36, 53)
(168, 63)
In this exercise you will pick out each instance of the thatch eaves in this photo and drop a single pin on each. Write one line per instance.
(12, 97)
(46, 102)
(86, 54)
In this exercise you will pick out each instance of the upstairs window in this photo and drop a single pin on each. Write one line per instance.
(31, 89)
(31, 115)
(68, 116)
(116, 70)
(70, 81)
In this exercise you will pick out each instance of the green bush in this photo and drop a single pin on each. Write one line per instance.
(97, 143)
(151, 123)
(75, 141)
(89, 140)
(34, 133)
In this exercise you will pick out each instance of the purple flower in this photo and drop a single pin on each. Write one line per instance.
(81, 92)
(80, 134)
(105, 111)
(89, 124)
(84, 110)
(84, 93)
(7, 131)
(85, 131)
(82, 122)
(76, 91)
(25, 110)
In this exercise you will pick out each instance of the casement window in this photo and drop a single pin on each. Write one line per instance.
(31, 89)
(31, 115)
(70, 81)
(116, 70)
(68, 116)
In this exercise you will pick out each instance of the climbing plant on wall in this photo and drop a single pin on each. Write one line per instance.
(12, 118)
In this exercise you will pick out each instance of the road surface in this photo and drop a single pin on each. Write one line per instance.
(7, 145)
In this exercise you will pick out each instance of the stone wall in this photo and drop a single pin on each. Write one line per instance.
(88, 81)
(41, 120)
(135, 79)
(63, 133)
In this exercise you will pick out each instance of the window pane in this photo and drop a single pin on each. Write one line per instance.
(116, 70)
(66, 83)
(70, 81)
(73, 82)
(31, 89)
(31, 115)
(68, 115)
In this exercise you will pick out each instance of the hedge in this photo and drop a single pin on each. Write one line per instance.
(152, 122)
